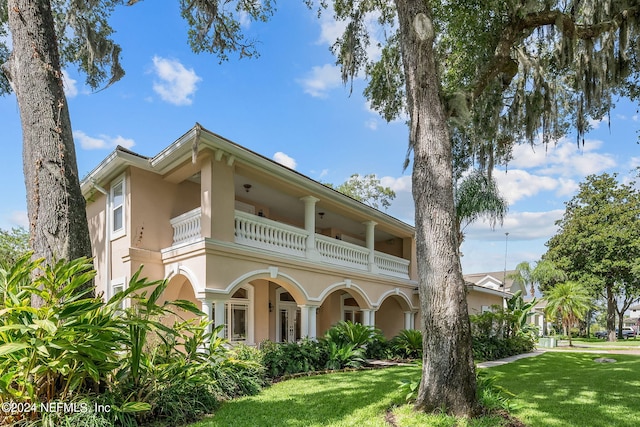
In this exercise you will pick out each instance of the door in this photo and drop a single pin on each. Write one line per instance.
(289, 322)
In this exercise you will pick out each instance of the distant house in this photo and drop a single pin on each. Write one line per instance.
(489, 289)
(260, 248)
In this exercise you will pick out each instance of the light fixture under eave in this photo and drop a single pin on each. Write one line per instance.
(247, 187)
(321, 215)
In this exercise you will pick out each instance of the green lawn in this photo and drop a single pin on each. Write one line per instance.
(570, 389)
(359, 398)
(554, 389)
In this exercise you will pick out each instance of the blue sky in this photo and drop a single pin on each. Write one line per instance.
(290, 105)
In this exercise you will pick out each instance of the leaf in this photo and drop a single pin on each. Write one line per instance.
(12, 347)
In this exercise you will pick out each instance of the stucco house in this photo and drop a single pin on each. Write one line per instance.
(485, 290)
(260, 248)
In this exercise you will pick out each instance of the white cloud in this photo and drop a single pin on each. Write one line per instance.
(399, 184)
(69, 84)
(517, 184)
(519, 225)
(563, 159)
(371, 124)
(177, 84)
(285, 160)
(101, 142)
(321, 80)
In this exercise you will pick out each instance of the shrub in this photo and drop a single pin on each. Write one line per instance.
(408, 344)
(281, 359)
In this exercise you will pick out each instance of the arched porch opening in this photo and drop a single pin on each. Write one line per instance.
(343, 303)
(393, 315)
(179, 287)
(276, 309)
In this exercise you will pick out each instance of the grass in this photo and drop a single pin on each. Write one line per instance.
(551, 390)
(360, 398)
(570, 389)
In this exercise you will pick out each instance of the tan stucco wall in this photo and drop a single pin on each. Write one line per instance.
(475, 301)
(155, 203)
(390, 317)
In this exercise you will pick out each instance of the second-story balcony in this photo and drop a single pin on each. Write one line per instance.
(259, 232)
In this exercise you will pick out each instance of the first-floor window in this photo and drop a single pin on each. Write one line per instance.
(236, 317)
(351, 310)
(118, 285)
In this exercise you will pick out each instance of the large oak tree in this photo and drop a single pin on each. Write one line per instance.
(487, 72)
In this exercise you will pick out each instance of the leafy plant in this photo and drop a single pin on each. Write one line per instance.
(343, 355)
(408, 344)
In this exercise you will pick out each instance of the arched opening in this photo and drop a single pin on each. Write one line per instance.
(394, 315)
(179, 288)
(343, 303)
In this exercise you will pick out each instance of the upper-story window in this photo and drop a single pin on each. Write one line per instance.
(117, 207)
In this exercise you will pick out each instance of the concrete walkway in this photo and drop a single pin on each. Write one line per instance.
(499, 362)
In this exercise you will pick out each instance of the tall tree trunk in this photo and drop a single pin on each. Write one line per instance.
(448, 374)
(611, 313)
(56, 207)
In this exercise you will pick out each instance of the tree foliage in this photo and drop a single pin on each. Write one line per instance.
(367, 189)
(598, 241)
(14, 244)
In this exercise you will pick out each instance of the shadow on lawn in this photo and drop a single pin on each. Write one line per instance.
(318, 400)
(570, 389)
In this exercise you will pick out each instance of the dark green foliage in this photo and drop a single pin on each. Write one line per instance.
(408, 344)
(503, 332)
(282, 359)
(493, 348)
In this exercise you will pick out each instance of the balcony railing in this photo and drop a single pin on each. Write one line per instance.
(186, 227)
(263, 233)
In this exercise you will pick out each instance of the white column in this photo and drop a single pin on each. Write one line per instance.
(372, 318)
(370, 239)
(366, 317)
(312, 322)
(304, 321)
(407, 319)
(207, 309)
(219, 316)
(310, 225)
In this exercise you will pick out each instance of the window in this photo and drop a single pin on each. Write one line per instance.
(350, 309)
(117, 208)
(238, 316)
(118, 285)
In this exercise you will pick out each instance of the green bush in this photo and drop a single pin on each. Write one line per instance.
(408, 344)
(281, 359)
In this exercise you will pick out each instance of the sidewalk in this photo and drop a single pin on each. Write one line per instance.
(499, 362)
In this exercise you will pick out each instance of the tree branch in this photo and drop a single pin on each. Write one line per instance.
(522, 27)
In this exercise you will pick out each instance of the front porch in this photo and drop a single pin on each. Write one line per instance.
(272, 308)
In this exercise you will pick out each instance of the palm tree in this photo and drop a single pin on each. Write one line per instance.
(544, 274)
(570, 301)
(476, 196)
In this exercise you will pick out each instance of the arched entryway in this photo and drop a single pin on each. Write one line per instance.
(394, 314)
